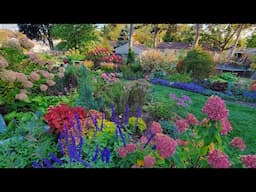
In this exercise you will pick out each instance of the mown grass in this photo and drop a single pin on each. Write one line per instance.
(242, 118)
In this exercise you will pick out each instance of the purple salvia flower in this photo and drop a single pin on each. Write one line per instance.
(81, 146)
(96, 153)
(120, 132)
(47, 163)
(187, 98)
(94, 120)
(87, 124)
(36, 165)
(70, 151)
(78, 123)
(137, 117)
(73, 125)
(102, 122)
(60, 144)
(105, 155)
(85, 163)
(126, 117)
(113, 112)
(55, 158)
(150, 138)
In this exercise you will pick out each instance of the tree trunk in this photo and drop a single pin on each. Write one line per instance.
(130, 36)
(236, 42)
(197, 36)
(50, 43)
(155, 35)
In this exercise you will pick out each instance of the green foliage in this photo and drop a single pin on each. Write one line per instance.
(85, 93)
(75, 35)
(251, 41)
(133, 127)
(132, 71)
(169, 128)
(137, 92)
(28, 143)
(13, 56)
(130, 56)
(179, 77)
(62, 46)
(160, 110)
(224, 77)
(199, 63)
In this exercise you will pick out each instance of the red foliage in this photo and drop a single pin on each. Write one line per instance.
(252, 87)
(59, 115)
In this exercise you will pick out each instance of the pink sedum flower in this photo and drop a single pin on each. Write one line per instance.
(165, 145)
(43, 87)
(191, 119)
(226, 126)
(122, 152)
(143, 139)
(60, 75)
(182, 125)
(249, 161)
(238, 142)
(149, 161)
(130, 148)
(27, 84)
(135, 166)
(21, 96)
(34, 76)
(215, 108)
(156, 128)
(50, 82)
(218, 159)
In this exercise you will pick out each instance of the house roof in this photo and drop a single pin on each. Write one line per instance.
(137, 48)
(182, 45)
(173, 45)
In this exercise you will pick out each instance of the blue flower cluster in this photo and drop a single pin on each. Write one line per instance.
(250, 95)
(189, 87)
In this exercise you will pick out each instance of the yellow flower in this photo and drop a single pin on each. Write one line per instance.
(200, 144)
(140, 162)
(211, 147)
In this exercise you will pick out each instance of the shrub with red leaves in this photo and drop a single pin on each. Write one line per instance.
(98, 53)
(113, 58)
(61, 114)
(252, 87)
(219, 86)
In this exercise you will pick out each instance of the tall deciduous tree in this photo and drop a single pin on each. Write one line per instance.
(75, 35)
(38, 31)
(131, 36)
(197, 35)
(231, 53)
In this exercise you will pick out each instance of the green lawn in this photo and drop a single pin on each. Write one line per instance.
(242, 118)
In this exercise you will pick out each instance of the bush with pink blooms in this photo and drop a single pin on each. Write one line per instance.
(110, 77)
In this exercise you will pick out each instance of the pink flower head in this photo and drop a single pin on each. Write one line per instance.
(218, 159)
(21, 77)
(3, 62)
(122, 152)
(249, 161)
(45, 74)
(104, 76)
(143, 139)
(50, 76)
(43, 87)
(191, 119)
(60, 75)
(238, 142)
(21, 96)
(8, 75)
(27, 84)
(165, 145)
(34, 76)
(181, 142)
(182, 125)
(50, 82)
(130, 148)
(226, 126)
(215, 108)
(61, 69)
(156, 128)
(149, 161)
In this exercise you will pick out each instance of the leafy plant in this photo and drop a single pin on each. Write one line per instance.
(179, 77)
(159, 110)
(199, 63)
(135, 124)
